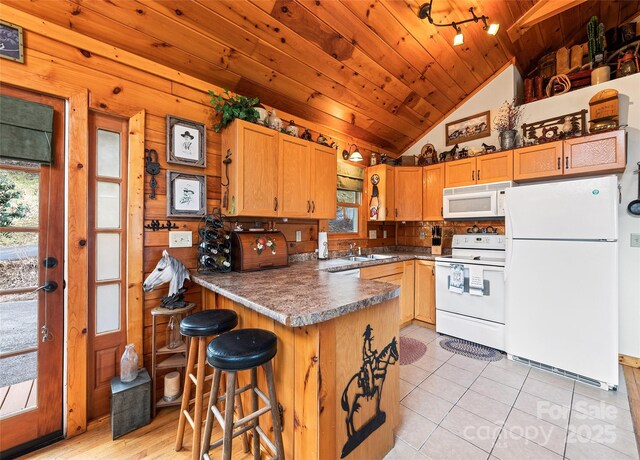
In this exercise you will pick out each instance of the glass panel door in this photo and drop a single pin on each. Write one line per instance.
(31, 292)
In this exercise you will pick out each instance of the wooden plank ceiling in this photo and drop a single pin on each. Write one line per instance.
(368, 69)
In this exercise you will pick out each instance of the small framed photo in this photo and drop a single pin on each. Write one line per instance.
(468, 129)
(186, 194)
(186, 142)
(11, 42)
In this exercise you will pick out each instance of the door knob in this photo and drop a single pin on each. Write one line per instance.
(48, 286)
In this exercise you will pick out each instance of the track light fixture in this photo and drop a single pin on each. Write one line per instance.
(491, 28)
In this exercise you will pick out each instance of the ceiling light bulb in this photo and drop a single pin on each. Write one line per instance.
(493, 28)
(458, 39)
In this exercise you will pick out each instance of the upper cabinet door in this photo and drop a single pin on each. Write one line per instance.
(432, 185)
(253, 171)
(460, 172)
(497, 167)
(538, 161)
(324, 182)
(598, 153)
(408, 193)
(294, 190)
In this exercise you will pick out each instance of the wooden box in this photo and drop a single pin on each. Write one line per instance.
(251, 251)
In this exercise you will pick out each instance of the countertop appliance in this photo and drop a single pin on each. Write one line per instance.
(474, 312)
(562, 278)
(475, 201)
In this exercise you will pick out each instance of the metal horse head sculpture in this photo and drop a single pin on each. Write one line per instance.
(168, 270)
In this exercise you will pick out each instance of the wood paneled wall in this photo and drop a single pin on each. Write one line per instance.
(62, 62)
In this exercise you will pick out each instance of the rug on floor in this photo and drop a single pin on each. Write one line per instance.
(411, 350)
(470, 349)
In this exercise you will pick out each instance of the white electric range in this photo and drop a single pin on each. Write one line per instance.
(477, 313)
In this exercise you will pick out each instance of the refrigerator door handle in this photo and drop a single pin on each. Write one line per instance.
(509, 251)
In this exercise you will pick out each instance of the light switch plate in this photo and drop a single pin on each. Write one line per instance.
(180, 240)
(635, 240)
(423, 234)
(373, 234)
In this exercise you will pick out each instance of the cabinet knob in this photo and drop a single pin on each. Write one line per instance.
(308, 206)
(275, 204)
(566, 163)
(478, 174)
(473, 175)
(559, 164)
(313, 206)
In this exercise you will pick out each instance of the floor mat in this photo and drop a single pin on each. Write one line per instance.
(470, 349)
(411, 350)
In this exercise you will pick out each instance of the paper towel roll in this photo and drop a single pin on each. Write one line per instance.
(171, 386)
(323, 246)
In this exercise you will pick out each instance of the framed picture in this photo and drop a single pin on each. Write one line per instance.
(186, 142)
(186, 194)
(468, 129)
(11, 42)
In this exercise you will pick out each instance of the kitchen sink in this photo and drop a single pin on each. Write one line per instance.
(379, 256)
(356, 258)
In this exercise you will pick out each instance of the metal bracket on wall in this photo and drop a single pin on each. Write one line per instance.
(155, 226)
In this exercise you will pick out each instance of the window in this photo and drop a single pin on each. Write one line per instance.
(347, 209)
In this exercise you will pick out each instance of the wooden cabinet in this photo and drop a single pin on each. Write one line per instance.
(495, 167)
(294, 178)
(407, 292)
(408, 193)
(460, 172)
(253, 171)
(432, 185)
(581, 156)
(598, 153)
(398, 273)
(385, 201)
(537, 161)
(425, 291)
(277, 175)
(324, 172)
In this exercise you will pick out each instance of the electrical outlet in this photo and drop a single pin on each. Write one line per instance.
(298, 236)
(180, 240)
(373, 234)
(635, 240)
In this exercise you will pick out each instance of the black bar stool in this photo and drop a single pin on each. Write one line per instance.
(198, 327)
(243, 349)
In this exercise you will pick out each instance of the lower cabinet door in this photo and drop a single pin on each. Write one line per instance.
(425, 292)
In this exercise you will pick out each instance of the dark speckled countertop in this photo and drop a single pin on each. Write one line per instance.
(306, 292)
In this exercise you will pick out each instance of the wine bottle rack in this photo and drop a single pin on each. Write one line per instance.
(214, 244)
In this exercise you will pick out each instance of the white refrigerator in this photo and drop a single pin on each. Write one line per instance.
(561, 277)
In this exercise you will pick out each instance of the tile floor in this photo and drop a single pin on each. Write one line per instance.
(453, 407)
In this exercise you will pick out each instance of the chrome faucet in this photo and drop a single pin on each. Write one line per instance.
(351, 247)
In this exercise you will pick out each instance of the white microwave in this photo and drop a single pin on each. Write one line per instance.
(475, 201)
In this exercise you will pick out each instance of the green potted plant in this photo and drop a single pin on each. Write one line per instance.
(230, 107)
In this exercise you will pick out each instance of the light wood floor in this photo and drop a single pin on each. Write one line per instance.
(632, 379)
(156, 440)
